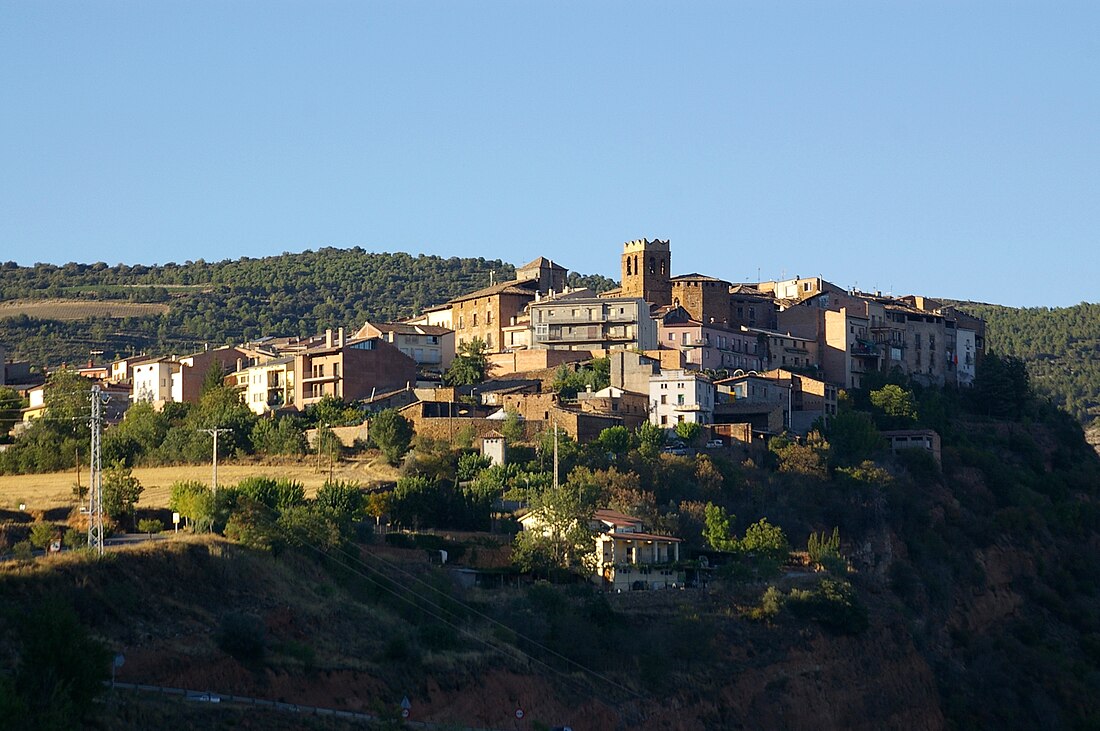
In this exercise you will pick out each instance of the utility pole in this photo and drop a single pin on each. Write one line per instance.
(215, 431)
(95, 488)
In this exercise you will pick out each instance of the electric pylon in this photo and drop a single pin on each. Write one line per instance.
(95, 490)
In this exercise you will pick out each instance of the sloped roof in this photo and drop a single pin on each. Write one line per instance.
(513, 286)
(614, 517)
(695, 276)
(541, 262)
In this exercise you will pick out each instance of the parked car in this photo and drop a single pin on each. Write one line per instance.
(678, 448)
(714, 444)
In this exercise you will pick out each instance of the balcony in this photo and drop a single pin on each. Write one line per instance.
(330, 378)
(864, 349)
(582, 318)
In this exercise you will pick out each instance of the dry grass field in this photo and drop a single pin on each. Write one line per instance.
(54, 489)
(73, 309)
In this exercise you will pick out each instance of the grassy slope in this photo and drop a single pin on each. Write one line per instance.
(54, 490)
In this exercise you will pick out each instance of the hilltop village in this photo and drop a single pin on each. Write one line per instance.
(743, 360)
(703, 363)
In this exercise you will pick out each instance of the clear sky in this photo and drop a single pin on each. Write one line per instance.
(945, 148)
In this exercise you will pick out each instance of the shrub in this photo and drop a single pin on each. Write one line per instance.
(275, 494)
(42, 534)
(23, 551)
(771, 602)
(75, 538)
(242, 636)
(834, 605)
(150, 525)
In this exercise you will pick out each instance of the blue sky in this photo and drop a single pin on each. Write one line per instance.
(946, 148)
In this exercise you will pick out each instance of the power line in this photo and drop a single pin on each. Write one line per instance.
(510, 648)
(482, 615)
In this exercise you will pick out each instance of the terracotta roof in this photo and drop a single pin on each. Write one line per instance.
(541, 262)
(513, 286)
(615, 517)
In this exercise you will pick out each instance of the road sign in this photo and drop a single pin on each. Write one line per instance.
(405, 703)
(519, 713)
(404, 713)
(55, 545)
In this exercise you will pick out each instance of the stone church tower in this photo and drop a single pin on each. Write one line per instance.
(645, 271)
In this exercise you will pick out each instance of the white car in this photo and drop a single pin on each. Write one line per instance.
(714, 444)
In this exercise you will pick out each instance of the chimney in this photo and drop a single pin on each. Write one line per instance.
(328, 338)
(340, 338)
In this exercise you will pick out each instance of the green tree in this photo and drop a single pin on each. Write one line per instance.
(767, 540)
(472, 464)
(195, 503)
(281, 435)
(339, 500)
(650, 439)
(10, 404)
(275, 494)
(67, 397)
(121, 491)
(470, 366)
(853, 437)
(42, 534)
(717, 531)
(896, 402)
(594, 375)
(562, 538)
(808, 459)
(689, 431)
(615, 439)
(393, 433)
(512, 427)
(1002, 386)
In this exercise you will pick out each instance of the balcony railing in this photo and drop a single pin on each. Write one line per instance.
(864, 349)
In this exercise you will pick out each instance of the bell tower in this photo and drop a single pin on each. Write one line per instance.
(645, 271)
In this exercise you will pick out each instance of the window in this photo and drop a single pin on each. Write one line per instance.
(489, 317)
(680, 399)
(664, 399)
(461, 321)
(664, 420)
(475, 319)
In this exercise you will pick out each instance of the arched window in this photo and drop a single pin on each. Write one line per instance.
(636, 269)
(628, 272)
(662, 267)
(652, 265)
